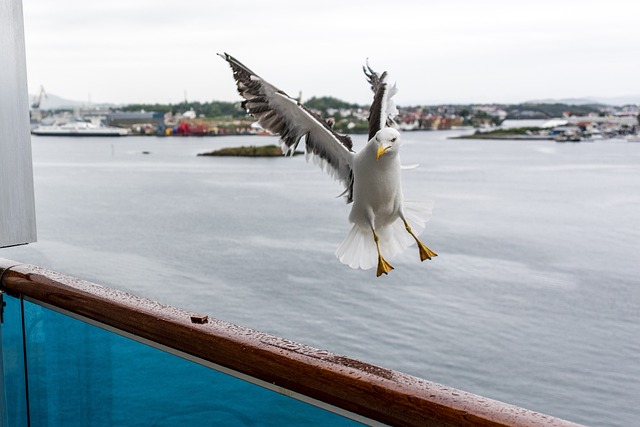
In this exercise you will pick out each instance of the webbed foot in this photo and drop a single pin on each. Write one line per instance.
(425, 252)
(383, 266)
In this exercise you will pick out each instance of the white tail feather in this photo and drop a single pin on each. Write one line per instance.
(358, 250)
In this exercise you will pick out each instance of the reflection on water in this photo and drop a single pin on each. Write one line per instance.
(532, 300)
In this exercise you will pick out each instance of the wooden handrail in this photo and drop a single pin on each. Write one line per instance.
(370, 391)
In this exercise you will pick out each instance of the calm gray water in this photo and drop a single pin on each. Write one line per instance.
(534, 299)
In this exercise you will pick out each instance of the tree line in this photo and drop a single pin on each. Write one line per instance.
(233, 110)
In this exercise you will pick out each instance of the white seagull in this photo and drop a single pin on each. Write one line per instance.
(383, 222)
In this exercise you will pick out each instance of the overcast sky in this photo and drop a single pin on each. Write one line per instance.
(452, 51)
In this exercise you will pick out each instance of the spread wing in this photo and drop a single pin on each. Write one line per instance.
(383, 110)
(284, 116)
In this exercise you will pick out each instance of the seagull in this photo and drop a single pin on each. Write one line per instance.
(383, 223)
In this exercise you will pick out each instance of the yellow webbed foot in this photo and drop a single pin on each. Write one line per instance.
(383, 267)
(425, 252)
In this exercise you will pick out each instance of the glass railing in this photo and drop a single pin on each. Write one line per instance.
(80, 374)
(76, 353)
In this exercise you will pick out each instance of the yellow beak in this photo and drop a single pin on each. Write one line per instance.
(381, 150)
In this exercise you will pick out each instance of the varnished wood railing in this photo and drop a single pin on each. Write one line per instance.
(374, 394)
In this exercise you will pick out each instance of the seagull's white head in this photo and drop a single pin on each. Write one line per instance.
(387, 141)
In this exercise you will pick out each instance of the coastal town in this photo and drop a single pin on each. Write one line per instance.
(554, 121)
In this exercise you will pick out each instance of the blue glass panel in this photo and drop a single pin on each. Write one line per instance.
(82, 375)
(15, 395)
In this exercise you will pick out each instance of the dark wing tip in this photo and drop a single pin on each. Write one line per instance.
(225, 56)
(382, 105)
(374, 79)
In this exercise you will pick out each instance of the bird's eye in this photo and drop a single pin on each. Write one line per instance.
(393, 139)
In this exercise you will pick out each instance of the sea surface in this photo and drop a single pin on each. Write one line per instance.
(534, 298)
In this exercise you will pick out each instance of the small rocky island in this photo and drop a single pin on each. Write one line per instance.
(511, 133)
(249, 151)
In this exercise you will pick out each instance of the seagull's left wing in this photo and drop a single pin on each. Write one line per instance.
(383, 110)
(284, 116)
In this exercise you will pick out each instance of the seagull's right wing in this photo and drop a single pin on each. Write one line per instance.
(383, 110)
(284, 116)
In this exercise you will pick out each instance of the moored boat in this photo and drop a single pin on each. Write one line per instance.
(79, 128)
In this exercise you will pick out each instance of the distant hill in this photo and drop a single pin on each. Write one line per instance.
(55, 102)
(590, 100)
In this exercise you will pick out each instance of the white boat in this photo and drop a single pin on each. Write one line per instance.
(79, 128)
